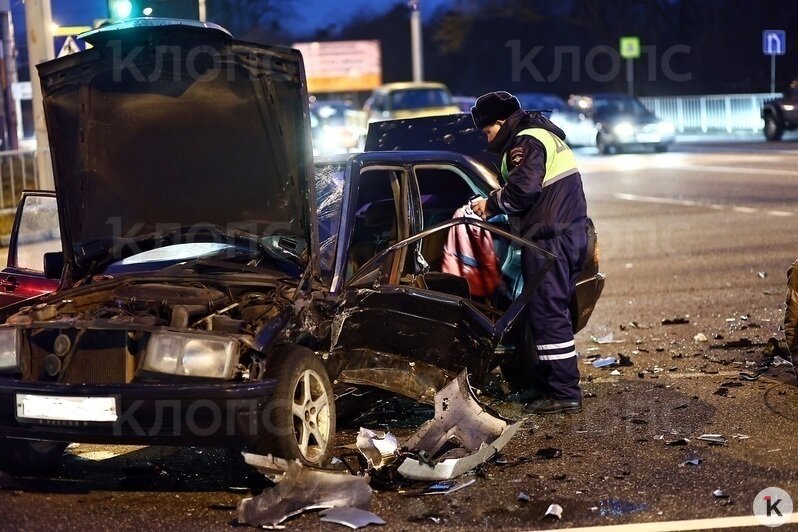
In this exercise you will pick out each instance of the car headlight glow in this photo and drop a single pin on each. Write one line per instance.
(190, 355)
(624, 129)
(665, 128)
(9, 359)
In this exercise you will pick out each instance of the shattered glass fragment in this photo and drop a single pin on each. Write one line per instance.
(615, 508)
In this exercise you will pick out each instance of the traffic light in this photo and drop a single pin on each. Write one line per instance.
(124, 9)
(121, 9)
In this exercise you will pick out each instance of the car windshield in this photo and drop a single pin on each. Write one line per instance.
(542, 101)
(330, 114)
(329, 194)
(619, 106)
(420, 98)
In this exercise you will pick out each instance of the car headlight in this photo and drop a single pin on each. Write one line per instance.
(190, 355)
(666, 128)
(624, 129)
(9, 358)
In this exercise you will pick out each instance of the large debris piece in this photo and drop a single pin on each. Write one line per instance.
(462, 420)
(379, 448)
(303, 488)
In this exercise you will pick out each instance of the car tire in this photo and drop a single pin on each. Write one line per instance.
(661, 148)
(302, 411)
(30, 456)
(774, 129)
(604, 147)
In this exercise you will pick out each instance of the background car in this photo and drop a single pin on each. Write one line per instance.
(579, 129)
(781, 115)
(331, 128)
(623, 122)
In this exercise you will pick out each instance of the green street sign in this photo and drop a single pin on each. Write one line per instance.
(630, 47)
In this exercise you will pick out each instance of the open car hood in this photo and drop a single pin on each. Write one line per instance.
(166, 123)
(455, 133)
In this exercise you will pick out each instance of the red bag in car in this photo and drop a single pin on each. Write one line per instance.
(469, 253)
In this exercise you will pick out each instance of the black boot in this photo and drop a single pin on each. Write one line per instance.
(553, 406)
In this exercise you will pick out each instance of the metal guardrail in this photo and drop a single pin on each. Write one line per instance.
(718, 113)
(18, 172)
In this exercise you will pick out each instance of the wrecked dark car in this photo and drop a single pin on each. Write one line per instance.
(213, 287)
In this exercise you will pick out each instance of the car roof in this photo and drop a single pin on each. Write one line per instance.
(404, 85)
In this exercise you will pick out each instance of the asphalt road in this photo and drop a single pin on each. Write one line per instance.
(706, 231)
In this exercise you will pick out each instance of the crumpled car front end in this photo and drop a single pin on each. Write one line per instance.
(184, 361)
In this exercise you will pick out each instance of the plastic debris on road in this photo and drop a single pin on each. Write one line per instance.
(523, 497)
(352, 517)
(548, 453)
(608, 338)
(720, 494)
(678, 442)
(459, 416)
(303, 488)
(378, 447)
(700, 337)
(605, 362)
(714, 439)
(554, 511)
(447, 487)
(681, 320)
(692, 462)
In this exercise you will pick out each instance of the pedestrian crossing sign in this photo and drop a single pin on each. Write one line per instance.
(630, 47)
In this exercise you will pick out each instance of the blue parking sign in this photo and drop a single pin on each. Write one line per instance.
(774, 42)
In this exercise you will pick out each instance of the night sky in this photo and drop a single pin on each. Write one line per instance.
(310, 14)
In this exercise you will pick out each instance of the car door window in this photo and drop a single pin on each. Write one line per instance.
(378, 221)
(37, 233)
(442, 190)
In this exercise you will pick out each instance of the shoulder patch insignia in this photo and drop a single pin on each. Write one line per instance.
(517, 155)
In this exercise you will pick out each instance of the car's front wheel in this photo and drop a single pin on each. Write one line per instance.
(302, 413)
(30, 456)
(774, 129)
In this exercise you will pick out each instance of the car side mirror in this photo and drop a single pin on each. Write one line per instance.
(53, 264)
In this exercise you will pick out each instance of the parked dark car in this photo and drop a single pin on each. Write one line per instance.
(623, 122)
(212, 288)
(781, 114)
(579, 129)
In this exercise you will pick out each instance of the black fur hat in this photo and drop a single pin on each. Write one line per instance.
(493, 106)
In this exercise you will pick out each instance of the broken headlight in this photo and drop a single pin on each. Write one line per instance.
(9, 360)
(191, 355)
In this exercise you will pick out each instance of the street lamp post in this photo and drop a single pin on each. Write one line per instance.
(415, 39)
(39, 23)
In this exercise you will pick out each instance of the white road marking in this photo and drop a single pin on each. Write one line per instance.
(732, 169)
(691, 203)
(691, 524)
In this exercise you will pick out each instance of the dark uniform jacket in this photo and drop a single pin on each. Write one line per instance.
(544, 212)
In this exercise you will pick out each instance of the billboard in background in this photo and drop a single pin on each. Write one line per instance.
(342, 66)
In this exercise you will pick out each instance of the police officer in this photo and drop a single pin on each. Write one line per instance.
(543, 189)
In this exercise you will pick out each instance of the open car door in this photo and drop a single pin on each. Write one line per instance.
(36, 233)
(410, 330)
